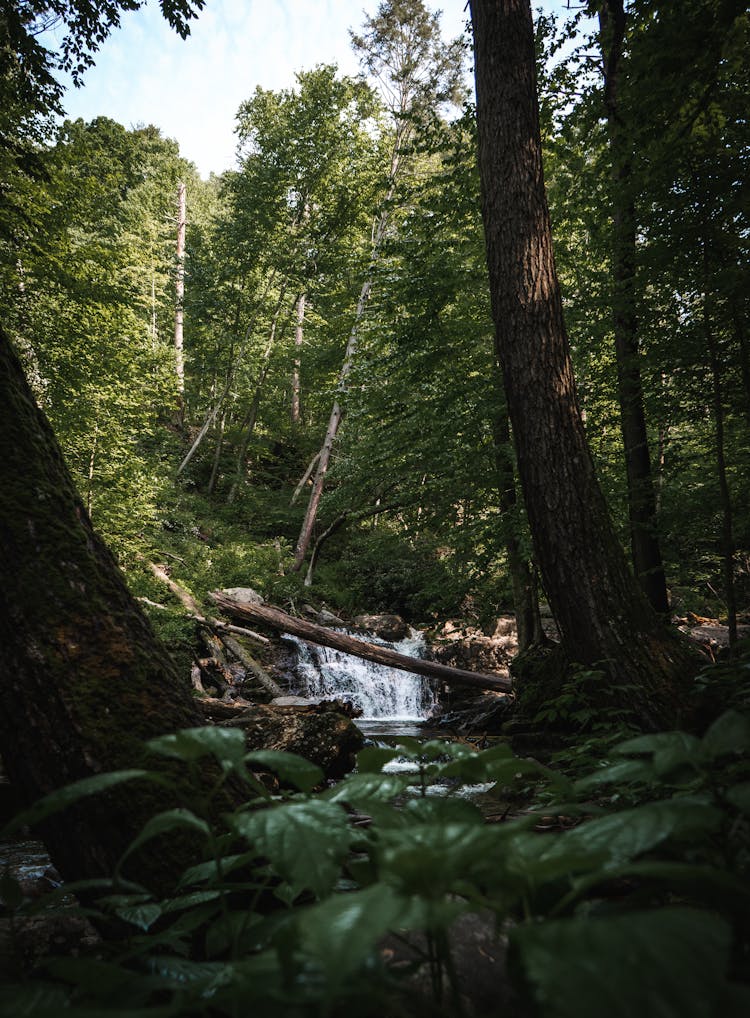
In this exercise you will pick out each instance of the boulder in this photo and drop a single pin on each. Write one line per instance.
(244, 594)
(391, 628)
(320, 732)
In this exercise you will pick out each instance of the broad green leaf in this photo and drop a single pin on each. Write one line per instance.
(226, 744)
(290, 767)
(435, 858)
(360, 790)
(621, 772)
(61, 798)
(739, 796)
(342, 932)
(627, 834)
(728, 734)
(372, 759)
(665, 964)
(208, 871)
(169, 820)
(443, 810)
(658, 742)
(305, 842)
(142, 916)
(189, 901)
(35, 1000)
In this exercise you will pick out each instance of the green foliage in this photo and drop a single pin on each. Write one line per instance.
(637, 907)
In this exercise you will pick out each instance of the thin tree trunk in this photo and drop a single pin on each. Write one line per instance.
(217, 455)
(727, 529)
(252, 417)
(604, 618)
(328, 532)
(92, 464)
(644, 539)
(380, 226)
(305, 478)
(179, 357)
(298, 339)
(234, 361)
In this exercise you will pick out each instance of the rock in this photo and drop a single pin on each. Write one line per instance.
(292, 701)
(318, 732)
(391, 628)
(326, 618)
(246, 594)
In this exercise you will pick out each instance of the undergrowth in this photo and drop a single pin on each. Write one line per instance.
(638, 903)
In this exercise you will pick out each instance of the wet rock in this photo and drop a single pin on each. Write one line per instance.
(244, 594)
(320, 732)
(483, 714)
(391, 628)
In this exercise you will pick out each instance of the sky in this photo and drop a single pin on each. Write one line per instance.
(192, 89)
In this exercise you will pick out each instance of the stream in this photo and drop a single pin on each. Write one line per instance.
(393, 702)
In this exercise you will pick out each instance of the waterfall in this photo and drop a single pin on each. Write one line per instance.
(380, 692)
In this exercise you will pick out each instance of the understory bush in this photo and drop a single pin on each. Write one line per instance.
(638, 901)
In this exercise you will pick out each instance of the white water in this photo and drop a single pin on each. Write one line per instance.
(381, 693)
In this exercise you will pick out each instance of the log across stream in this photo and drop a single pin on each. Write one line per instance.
(282, 621)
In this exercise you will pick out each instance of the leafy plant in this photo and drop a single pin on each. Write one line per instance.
(285, 908)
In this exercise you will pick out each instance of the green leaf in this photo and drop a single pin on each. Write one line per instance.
(290, 767)
(728, 734)
(305, 842)
(64, 797)
(343, 932)
(142, 916)
(629, 833)
(226, 744)
(169, 820)
(372, 759)
(665, 964)
(660, 741)
(739, 796)
(360, 790)
(618, 773)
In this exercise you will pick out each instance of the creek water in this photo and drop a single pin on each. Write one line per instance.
(390, 699)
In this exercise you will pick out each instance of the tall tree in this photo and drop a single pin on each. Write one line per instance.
(602, 613)
(85, 679)
(402, 49)
(644, 538)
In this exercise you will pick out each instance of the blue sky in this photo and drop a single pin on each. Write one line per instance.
(145, 74)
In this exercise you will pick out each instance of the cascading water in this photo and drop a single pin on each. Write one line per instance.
(380, 692)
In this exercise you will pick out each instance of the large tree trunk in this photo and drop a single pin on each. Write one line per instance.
(604, 618)
(85, 680)
(644, 539)
(522, 573)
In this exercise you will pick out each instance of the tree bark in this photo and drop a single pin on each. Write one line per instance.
(85, 681)
(179, 356)
(298, 337)
(285, 623)
(644, 539)
(604, 617)
(522, 574)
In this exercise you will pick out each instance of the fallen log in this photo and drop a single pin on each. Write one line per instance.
(215, 637)
(278, 619)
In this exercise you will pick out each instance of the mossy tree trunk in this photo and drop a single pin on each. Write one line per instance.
(85, 680)
(604, 617)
